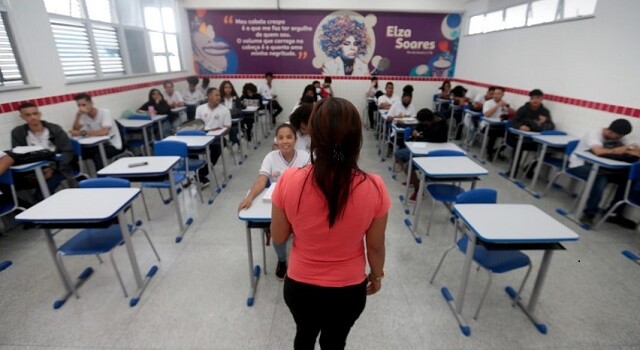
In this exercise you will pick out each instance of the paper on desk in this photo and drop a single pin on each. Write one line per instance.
(216, 132)
(250, 109)
(267, 194)
(26, 149)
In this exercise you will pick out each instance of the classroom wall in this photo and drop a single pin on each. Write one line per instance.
(373, 5)
(591, 59)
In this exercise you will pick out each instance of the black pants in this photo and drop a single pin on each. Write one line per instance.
(371, 109)
(277, 109)
(330, 312)
(214, 150)
(93, 153)
(494, 133)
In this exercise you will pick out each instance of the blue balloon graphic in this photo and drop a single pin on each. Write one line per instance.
(454, 20)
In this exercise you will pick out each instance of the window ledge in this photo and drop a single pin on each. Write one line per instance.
(18, 88)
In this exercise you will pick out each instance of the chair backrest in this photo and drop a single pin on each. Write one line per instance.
(408, 131)
(478, 196)
(553, 132)
(445, 153)
(77, 148)
(6, 178)
(170, 148)
(139, 116)
(191, 133)
(634, 172)
(571, 146)
(104, 182)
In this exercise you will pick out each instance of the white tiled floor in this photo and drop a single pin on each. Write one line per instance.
(197, 300)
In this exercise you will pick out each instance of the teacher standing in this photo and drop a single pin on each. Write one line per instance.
(333, 209)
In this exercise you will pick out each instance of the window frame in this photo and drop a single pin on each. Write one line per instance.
(16, 49)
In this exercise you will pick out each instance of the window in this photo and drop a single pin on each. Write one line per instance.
(105, 38)
(530, 13)
(11, 73)
(159, 19)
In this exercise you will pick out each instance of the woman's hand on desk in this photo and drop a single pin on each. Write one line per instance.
(245, 204)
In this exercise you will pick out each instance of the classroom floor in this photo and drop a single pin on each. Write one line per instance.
(197, 300)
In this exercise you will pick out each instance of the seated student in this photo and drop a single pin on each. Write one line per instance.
(388, 99)
(268, 92)
(250, 98)
(5, 191)
(481, 98)
(230, 99)
(174, 98)
(445, 90)
(157, 105)
(533, 116)
(273, 165)
(37, 132)
(308, 96)
(300, 121)
(602, 142)
(192, 97)
(495, 108)
(430, 128)
(91, 121)
(204, 87)
(215, 116)
(372, 99)
(458, 94)
(327, 90)
(316, 84)
(403, 108)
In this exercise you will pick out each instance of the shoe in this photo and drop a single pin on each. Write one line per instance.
(501, 157)
(587, 218)
(204, 182)
(267, 237)
(281, 270)
(622, 222)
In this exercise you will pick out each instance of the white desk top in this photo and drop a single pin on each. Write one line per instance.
(250, 109)
(178, 109)
(217, 132)
(601, 161)
(155, 166)
(92, 140)
(259, 211)
(473, 113)
(523, 132)
(80, 205)
(29, 166)
(493, 121)
(423, 148)
(554, 140)
(193, 142)
(134, 123)
(449, 167)
(158, 117)
(513, 223)
(406, 121)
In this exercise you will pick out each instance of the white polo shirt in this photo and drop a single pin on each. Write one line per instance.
(398, 108)
(216, 118)
(266, 91)
(588, 141)
(175, 98)
(193, 97)
(42, 139)
(274, 163)
(102, 119)
(386, 99)
(499, 111)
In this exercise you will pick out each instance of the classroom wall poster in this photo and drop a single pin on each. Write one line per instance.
(329, 43)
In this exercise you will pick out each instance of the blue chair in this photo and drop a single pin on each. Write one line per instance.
(563, 168)
(129, 143)
(96, 241)
(440, 192)
(7, 208)
(185, 169)
(632, 183)
(470, 119)
(493, 261)
(530, 164)
(200, 133)
(77, 151)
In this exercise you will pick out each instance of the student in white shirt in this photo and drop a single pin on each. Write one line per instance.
(204, 87)
(215, 116)
(230, 99)
(192, 97)
(273, 165)
(496, 108)
(371, 93)
(267, 91)
(388, 99)
(91, 121)
(403, 108)
(173, 97)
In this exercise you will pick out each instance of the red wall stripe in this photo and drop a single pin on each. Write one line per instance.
(43, 101)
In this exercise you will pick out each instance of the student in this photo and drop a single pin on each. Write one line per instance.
(481, 98)
(445, 90)
(273, 165)
(372, 99)
(92, 121)
(157, 105)
(204, 87)
(496, 108)
(316, 84)
(327, 90)
(5, 191)
(174, 98)
(335, 210)
(230, 99)
(37, 132)
(250, 98)
(192, 97)
(430, 128)
(388, 99)
(268, 92)
(215, 116)
(602, 142)
(403, 108)
(299, 119)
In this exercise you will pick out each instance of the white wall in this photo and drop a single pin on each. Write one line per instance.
(593, 59)
(373, 5)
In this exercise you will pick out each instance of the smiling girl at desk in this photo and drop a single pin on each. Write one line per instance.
(273, 165)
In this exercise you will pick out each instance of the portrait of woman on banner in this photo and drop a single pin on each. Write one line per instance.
(345, 41)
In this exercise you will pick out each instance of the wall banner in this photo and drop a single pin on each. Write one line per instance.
(330, 43)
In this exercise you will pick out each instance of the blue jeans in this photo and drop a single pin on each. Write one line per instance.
(599, 185)
(403, 155)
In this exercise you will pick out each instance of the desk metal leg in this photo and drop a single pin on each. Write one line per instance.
(413, 228)
(42, 182)
(483, 148)
(535, 294)
(456, 304)
(225, 179)
(212, 176)
(140, 283)
(516, 159)
(103, 154)
(536, 174)
(160, 129)
(405, 200)
(586, 192)
(182, 225)
(254, 271)
(145, 138)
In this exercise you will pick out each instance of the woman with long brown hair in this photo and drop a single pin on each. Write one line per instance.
(334, 210)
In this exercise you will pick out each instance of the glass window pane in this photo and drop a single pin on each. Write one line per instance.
(152, 19)
(493, 21)
(64, 7)
(515, 16)
(577, 8)
(157, 42)
(108, 48)
(174, 54)
(542, 11)
(174, 63)
(99, 10)
(168, 20)
(161, 64)
(129, 13)
(476, 24)
(10, 70)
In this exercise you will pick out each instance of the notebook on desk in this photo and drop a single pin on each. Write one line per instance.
(267, 194)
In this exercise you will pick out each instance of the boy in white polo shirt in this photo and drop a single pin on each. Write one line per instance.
(91, 121)
(215, 116)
